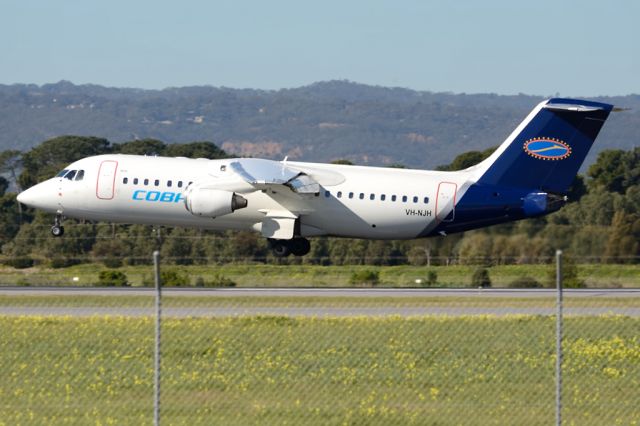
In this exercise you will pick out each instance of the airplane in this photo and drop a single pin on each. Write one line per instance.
(288, 202)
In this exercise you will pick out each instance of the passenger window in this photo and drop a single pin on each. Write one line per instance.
(125, 180)
(362, 196)
(70, 175)
(156, 182)
(393, 198)
(382, 197)
(135, 181)
(339, 194)
(169, 183)
(327, 194)
(415, 199)
(404, 198)
(146, 182)
(179, 184)
(372, 197)
(80, 175)
(62, 173)
(351, 195)
(426, 200)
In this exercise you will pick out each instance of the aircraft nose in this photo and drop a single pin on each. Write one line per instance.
(41, 196)
(27, 196)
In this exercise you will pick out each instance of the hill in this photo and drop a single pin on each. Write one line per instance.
(320, 122)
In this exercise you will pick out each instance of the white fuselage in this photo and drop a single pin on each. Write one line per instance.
(526, 176)
(353, 201)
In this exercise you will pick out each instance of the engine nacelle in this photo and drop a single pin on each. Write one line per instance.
(211, 202)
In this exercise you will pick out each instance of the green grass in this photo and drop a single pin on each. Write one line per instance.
(273, 370)
(260, 275)
(308, 301)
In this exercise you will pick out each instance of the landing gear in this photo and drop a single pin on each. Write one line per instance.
(57, 230)
(280, 248)
(295, 246)
(300, 246)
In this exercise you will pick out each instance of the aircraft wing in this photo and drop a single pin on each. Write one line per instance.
(274, 176)
(291, 189)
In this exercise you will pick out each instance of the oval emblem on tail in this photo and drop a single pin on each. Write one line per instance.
(547, 149)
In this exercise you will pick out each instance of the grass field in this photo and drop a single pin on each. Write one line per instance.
(260, 275)
(307, 301)
(274, 370)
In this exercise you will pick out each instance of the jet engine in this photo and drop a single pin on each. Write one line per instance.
(209, 202)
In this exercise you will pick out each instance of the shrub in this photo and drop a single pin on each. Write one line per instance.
(57, 262)
(365, 277)
(21, 262)
(525, 282)
(480, 278)
(174, 278)
(112, 262)
(110, 278)
(569, 274)
(217, 281)
(432, 278)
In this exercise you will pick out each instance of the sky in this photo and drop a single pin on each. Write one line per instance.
(542, 47)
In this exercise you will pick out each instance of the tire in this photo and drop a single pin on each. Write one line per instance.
(300, 246)
(280, 248)
(57, 230)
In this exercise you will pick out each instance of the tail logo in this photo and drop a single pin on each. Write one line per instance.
(547, 149)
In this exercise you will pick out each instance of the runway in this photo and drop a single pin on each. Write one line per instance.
(322, 302)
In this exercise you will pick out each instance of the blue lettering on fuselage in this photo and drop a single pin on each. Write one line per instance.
(157, 196)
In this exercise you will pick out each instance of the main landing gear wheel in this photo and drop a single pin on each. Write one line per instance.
(300, 246)
(57, 230)
(280, 248)
(296, 246)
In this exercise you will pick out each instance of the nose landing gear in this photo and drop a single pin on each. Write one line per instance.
(57, 230)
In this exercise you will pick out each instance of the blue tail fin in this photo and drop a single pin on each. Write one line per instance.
(547, 149)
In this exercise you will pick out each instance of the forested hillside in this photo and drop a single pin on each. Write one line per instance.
(321, 122)
(601, 222)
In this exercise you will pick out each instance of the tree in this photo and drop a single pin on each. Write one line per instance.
(616, 170)
(177, 247)
(570, 277)
(46, 160)
(467, 159)
(4, 185)
(10, 162)
(141, 147)
(624, 239)
(195, 150)
(577, 189)
(342, 161)
(480, 278)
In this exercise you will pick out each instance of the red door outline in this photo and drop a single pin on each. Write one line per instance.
(450, 188)
(103, 183)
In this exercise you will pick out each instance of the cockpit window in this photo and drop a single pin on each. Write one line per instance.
(70, 175)
(62, 173)
(80, 175)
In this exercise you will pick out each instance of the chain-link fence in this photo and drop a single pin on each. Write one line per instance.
(318, 356)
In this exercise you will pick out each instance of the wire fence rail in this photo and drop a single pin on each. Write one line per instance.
(239, 357)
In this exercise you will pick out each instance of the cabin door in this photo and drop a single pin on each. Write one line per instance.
(105, 187)
(446, 201)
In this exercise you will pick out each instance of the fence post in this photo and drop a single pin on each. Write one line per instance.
(559, 338)
(157, 353)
